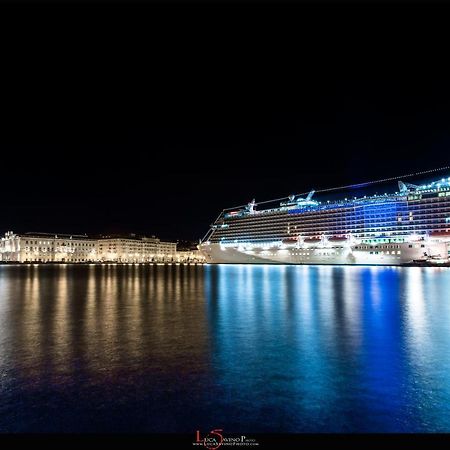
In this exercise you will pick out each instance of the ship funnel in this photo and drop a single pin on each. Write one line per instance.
(251, 206)
(406, 187)
(403, 188)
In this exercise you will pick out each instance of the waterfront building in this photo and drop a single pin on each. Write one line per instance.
(412, 224)
(46, 247)
(136, 250)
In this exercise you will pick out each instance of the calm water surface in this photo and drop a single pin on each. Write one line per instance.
(242, 348)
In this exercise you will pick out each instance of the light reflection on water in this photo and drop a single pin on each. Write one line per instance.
(239, 347)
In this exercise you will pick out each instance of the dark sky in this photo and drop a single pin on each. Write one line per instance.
(151, 119)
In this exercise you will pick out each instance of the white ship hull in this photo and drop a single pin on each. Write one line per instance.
(387, 254)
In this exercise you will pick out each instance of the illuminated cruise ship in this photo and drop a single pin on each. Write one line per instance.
(408, 226)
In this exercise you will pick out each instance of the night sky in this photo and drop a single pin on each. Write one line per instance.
(153, 119)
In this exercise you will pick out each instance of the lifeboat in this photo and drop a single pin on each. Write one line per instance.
(443, 235)
(312, 240)
(338, 239)
(440, 234)
(290, 240)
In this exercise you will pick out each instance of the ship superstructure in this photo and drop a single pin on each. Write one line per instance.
(412, 224)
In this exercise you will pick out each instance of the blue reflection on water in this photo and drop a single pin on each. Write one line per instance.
(318, 348)
(238, 347)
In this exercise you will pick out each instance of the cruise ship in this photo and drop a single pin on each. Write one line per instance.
(411, 225)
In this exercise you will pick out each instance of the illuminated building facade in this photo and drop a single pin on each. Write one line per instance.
(132, 250)
(408, 225)
(44, 247)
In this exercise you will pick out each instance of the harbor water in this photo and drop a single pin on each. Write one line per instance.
(133, 348)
